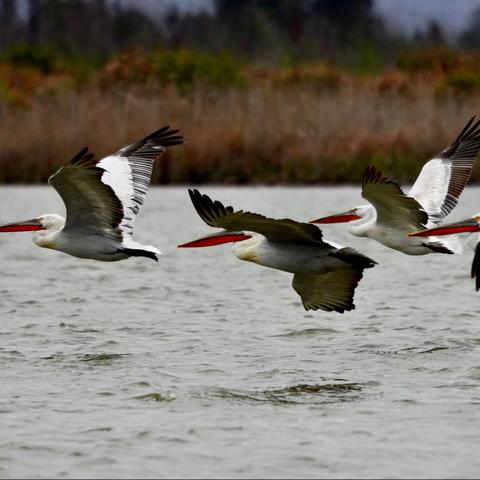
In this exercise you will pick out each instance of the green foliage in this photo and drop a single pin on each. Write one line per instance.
(440, 59)
(79, 67)
(369, 60)
(39, 58)
(6, 95)
(463, 83)
(186, 68)
(48, 60)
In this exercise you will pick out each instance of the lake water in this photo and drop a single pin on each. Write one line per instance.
(206, 366)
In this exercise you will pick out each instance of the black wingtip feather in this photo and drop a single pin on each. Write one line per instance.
(152, 145)
(136, 252)
(82, 156)
(372, 175)
(470, 132)
(203, 204)
(164, 137)
(465, 128)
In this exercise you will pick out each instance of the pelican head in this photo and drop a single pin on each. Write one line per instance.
(245, 244)
(51, 222)
(42, 226)
(358, 217)
(356, 213)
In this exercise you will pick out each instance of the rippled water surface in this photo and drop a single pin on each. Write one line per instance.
(206, 366)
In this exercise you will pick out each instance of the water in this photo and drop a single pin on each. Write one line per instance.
(206, 366)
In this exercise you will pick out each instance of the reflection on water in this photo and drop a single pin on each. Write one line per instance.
(303, 393)
(205, 366)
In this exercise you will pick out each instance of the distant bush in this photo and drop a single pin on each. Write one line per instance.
(129, 68)
(39, 58)
(185, 68)
(438, 59)
(6, 94)
(321, 76)
(396, 82)
(19, 84)
(462, 83)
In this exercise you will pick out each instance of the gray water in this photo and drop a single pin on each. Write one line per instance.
(206, 366)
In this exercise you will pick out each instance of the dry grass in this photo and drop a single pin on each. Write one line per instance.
(264, 133)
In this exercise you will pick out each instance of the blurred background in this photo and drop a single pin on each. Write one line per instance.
(265, 91)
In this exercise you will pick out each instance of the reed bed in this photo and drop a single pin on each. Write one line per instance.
(261, 133)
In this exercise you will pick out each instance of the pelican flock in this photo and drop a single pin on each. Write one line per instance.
(102, 198)
(392, 215)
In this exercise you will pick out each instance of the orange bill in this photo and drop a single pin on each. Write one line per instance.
(464, 226)
(349, 216)
(216, 239)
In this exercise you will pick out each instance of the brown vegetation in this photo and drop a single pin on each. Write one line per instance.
(304, 125)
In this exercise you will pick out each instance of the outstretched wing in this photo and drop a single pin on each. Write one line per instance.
(394, 208)
(215, 214)
(332, 291)
(475, 271)
(442, 179)
(106, 195)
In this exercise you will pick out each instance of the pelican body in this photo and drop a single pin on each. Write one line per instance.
(392, 214)
(102, 199)
(325, 274)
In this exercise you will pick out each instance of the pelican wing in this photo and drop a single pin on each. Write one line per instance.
(442, 179)
(475, 271)
(394, 208)
(91, 205)
(215, 214)
(106, 195)
(332, 291)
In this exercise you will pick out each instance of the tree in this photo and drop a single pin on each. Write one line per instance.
(470, 37)
(10, 25)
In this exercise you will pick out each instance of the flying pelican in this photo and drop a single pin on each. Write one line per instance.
(392, 214)
(468, 225)
(102, 199)
(325, 274)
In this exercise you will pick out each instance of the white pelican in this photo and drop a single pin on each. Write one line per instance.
(468, 225)
(102, 199)
(392, 214)
(325, 275)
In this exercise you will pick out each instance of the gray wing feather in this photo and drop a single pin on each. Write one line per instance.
(91, 205)
(215, 214)
(393, 207)
(332, 291)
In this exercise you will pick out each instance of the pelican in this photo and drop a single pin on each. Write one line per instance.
(468, 225)
(391, 214)
(102, 199)
(325, 275)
